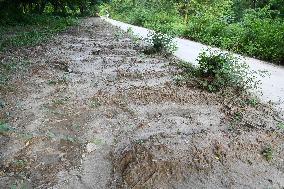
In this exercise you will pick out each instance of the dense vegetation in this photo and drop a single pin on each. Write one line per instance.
(29, 22)
(251, 27)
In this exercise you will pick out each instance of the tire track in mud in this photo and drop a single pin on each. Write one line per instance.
(94, 112)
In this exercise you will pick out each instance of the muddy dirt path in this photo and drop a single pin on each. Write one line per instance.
(93, 111)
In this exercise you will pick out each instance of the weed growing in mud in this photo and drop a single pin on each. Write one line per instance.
(60, 81)
(70, 139)
(4, 128)
(217, 71)
(236, 119)
(252, 102)
(95, 103)
(267, 152)
(139, 141)
(76, 127)
(97, 141)
(118, 34)
(160, 43)
(134, 37)
(280, 125)
(19, 163)
(26, 136)
(20, 185)
(61, 101)
(2, 103)
(50, 135)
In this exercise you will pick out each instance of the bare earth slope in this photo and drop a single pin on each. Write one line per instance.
(93, 111)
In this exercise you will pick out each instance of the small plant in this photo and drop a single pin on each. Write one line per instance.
(238, 116)
(50, 135)
(19, 185)
(61, 101)
(26, 136)
(2, 103)
(59, 81)
(76, 127)
(267, 152)
(95, 103)
(130, 31)
(19, 163)
(97, 141)
(236, 119)
(280, 125)
(4, 128)
(70, 139)
(118, 35)
(134, 37)
(217, 71)
(252, 102)
(160, 43)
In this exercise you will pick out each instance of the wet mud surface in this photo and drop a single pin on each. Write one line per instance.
(90, 110)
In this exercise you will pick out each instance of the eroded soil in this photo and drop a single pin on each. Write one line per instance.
(90, 110)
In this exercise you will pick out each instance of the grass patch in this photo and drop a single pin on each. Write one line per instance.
(32, 30)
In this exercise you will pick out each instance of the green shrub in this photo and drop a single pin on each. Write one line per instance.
(160, 42)
(217, 71)
(165, 22)
(138, 16)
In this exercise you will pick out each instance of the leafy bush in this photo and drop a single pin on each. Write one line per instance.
(217, 71)
(160, 42)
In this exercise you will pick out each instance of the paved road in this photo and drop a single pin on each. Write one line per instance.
(272, 87)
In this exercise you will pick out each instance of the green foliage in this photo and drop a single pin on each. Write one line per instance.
(252, 102)
(280, 125)
(253, 28)
(33, 29)
(267, 152)
(95, 103)
(217, 71)
(160, 42)
(4, 128)
(257, 33)
(15, 9)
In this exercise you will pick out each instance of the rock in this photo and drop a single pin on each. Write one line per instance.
(91, 147)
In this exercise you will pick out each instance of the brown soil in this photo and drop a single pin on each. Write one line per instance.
(92, 111)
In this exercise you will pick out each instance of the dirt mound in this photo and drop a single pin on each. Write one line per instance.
(206, 160)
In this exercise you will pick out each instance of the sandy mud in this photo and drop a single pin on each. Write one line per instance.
(90, 110)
